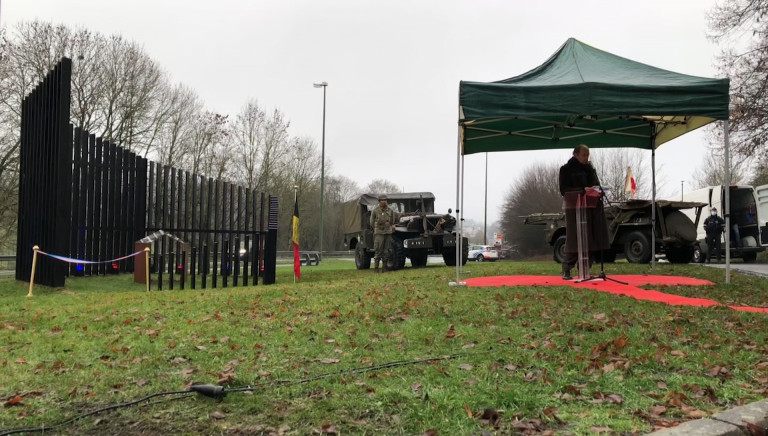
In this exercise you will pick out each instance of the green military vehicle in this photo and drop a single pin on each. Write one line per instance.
(419, 233)
(629, 230)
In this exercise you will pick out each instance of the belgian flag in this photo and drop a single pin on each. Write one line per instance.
(295, 239)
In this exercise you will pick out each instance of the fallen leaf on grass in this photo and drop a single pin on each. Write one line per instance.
(217, 415)
(466, 366)
(21, 360)
(451, 333)
(430, 432)
(657, 410)
(329, 360)
(15, 401)
(600, 429)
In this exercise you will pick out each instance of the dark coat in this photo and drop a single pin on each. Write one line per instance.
(574, 177)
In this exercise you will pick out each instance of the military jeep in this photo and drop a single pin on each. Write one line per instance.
(419, 233)
(629, 230)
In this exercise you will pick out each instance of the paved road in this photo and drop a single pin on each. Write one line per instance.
(757, 269)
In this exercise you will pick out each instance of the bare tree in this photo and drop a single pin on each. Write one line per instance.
(381, 186)
(535, 191)
(741, 27)
(611, 165)
(712, 171)
(209, 131)
(174, 135)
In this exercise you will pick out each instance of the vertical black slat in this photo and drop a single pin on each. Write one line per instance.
(141, 204)
(103, 203)
(171, 268)
(129, 185)
(262, 236)
(114, 199)
(192, 268)
(187, 207)
(215, 263)
(77, 166)
(99, 205)
(270, 247)
(171, 199)
(122, 217)
(83, 205)
(179, 212)
(225, 263)
(151, 223)
(208, 214)
(239, 226)
(45, 268)
(236, 261)
(193, 212)
(22, 251)
(216, 225)
(90, 192)
(255, 256)
(160, 267)
(248, 236)
(247, 245)
(231, 218)
(173, 186)
(183, 272)
(205, 266)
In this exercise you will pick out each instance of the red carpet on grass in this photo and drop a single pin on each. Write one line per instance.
(631, 289)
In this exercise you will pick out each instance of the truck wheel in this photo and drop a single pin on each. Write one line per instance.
(419, 258)
(637, 249)
(680, 254)
(699, 255)
(397, 259)
(749, 257)
(559, 249)
(449, 255)
(362, 257)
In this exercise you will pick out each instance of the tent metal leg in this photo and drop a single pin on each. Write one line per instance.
(726, 200)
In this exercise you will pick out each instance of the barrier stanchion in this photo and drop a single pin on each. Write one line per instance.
(34, 264)
(146, 258)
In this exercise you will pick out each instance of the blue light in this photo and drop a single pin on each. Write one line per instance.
(79, 267)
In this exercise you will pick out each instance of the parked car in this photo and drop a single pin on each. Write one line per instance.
(482, 253)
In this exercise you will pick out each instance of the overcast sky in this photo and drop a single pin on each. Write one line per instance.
(393, 69)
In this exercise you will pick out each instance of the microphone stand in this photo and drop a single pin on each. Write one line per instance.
(601, 275)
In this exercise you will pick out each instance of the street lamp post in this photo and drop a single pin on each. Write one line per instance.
(323, 85)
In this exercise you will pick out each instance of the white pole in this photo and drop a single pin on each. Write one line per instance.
(727, 203)
(458, 195)
(653, 201)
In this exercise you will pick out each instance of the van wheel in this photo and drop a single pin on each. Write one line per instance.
(699, 256)
(558, 249)
(679, 254)
(637, 249)
(748, 257)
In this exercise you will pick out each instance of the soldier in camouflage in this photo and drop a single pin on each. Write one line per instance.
(383, 219)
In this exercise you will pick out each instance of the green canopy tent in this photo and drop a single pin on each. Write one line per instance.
(582, 95)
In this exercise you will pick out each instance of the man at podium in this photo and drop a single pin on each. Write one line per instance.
(585, 225)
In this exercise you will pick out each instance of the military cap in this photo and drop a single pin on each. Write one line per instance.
(382, 197)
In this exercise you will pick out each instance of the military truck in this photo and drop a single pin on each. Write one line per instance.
(419, 232)
(629, 230)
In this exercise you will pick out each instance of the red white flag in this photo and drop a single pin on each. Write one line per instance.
(629, 183)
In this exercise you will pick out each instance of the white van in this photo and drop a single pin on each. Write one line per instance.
(748, 234)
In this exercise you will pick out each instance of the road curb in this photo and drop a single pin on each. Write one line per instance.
(733, 422)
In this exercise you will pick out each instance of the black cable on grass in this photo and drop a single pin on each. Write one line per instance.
(93, 412)
(213, 391)
(359, 370)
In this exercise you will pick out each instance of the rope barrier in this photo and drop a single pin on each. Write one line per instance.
(88, 262)
(37, 251)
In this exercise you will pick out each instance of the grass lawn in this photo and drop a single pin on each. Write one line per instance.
(339, 353)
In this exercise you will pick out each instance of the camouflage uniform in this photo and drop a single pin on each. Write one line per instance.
(382, 221)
